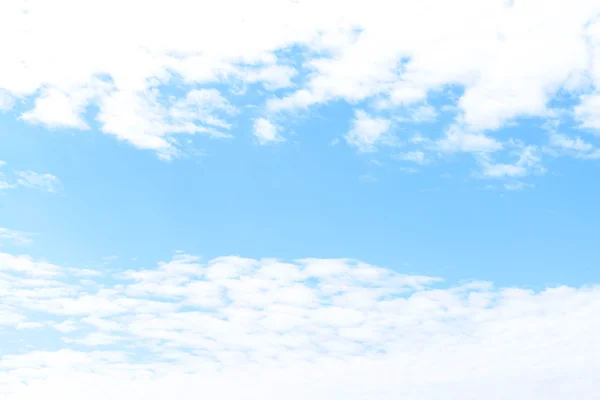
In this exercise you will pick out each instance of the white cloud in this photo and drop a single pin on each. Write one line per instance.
(492, 170)
(265, 132)
(273, 77)
(30, 179)
(55, 108)
(17, 237)
(367, 132)
(587, 111)
(4, 183)
(366, 178)
(418, 139)
(517, 185)
(142, 120)
(84, 272)
(457, 140)
(397, 52)
(6, 100)
(405, 95)
(474, 56)
(423, 113)
(416, 156)
(325, 328)
(33, 180)
(408, 170)
(567, 143)
(65, 326)
(27, 265)
(95, 339)
(528, 162)
(572, 146)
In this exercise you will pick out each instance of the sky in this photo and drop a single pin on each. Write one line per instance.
(299, 198)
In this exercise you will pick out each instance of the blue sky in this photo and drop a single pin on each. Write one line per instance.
(331, 192)
(303, 198)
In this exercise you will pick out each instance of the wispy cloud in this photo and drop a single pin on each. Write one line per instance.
(417, 157)
(518, 185)
(44, 182)
(576, 147)
(4, 183)
(16, 237)
(366, 178)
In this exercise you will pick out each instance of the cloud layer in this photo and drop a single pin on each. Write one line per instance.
(169, 68)
(329, 328)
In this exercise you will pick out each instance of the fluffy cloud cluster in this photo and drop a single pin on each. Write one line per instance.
(326, 328)
(151, 70)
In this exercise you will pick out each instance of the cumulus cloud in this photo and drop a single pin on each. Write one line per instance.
(457, 140)
(55, 108)
(367, 132)
(265, 132)
(28, 266)
(328, 328)
(133, 78)
(272, 77)
(587, 111)
(528, 162)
